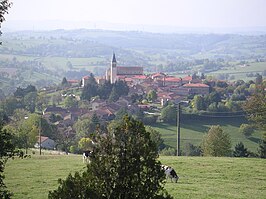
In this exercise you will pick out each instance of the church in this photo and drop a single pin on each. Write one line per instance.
(115, 72)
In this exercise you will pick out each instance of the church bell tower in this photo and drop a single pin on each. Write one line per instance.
(113, 69)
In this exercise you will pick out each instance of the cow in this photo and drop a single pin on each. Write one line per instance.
(170, 173)
(86, 156)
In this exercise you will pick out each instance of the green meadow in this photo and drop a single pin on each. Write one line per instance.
(200, 177)
(192, 132)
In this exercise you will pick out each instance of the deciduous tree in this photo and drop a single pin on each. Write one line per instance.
(216, 142)
(124, 164)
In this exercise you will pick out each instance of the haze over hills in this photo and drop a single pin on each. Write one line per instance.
(20, 25)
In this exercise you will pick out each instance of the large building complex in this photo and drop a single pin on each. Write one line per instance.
(115, 72)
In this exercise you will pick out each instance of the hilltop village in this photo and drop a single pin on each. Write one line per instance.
(166, 89)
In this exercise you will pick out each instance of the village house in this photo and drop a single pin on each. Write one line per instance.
(197, 89)
(46, 143)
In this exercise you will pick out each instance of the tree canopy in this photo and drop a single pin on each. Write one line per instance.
(216, 142)
(124, 164)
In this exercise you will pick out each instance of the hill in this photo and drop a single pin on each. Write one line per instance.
(200, 177)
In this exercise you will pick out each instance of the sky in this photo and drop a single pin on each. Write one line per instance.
(177, 13)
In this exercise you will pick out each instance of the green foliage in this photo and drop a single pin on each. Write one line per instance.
(246, 130)
(169, 114)
(168, 151)
(262, 147)
(255, 106)
(114, 96)
(123, 165)
(85, 144)
(152, 95)
(70, 102)
(198, 103)
(156, 137)
(216, 142)
(77, 186)
(240, 150)
(6, 151)
(192, 150)
(64, 82)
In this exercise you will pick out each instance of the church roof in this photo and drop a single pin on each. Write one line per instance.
(113, 59)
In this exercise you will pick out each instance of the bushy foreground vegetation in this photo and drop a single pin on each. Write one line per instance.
(200, 177)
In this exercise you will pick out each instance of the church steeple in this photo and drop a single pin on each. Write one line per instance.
(113, 59)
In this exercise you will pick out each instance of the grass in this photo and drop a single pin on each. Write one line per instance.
(192, 131)
(200, 177)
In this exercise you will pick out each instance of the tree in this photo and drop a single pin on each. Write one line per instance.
(121, 88)
(4, 6)
(64, 82)
(123, 165)
(240, 150)
(198, 103)
(246, 130)
(255, 106)
(168, 114)
(85, 144)
(7, 149)
(262, 146)
(114, 96)
(216, 142)
(152, 95)
(156, 137)
(258, 79)
(30, 101)
(70, 102)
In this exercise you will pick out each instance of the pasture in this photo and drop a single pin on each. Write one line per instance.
(192, 131)
(200, 177)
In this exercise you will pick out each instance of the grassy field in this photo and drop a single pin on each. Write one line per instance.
(240, 71)
(192, 131)
(200, 177)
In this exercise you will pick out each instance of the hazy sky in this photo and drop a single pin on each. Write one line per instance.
(181, 13)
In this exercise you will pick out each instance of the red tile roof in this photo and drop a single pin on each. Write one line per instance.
(187, 78)
(172, 79)
(196, 85)
(139, 77)
(73, 81)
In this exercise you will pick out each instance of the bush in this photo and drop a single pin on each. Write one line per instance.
(168, 152)
(246, 130)
(240, 150)
(192, 150)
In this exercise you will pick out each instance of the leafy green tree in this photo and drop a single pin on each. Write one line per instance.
(10, 104)
(30, 101)
(83, 127)
(246, 130)
(4, 6)
(124, 164)
(7, 150)
(169, 114)
(216, 142)
(156, 138)
(121, 88)
(85, 144)
(192, 150)
(255, 106)
(262, 146)
(240, 150)
(114, 96)
(70, 102)
(89, 91)
(198, 103)
(105, 89)
(152, 95)
(258, 79)
(64, 82)
(121, 113)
